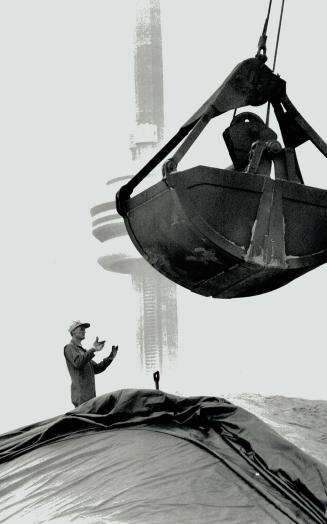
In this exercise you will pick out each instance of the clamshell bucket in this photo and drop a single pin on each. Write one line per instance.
(230, 233)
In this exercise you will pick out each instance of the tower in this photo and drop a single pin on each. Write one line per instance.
(157, 331)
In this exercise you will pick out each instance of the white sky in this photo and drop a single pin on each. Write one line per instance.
(66, 99)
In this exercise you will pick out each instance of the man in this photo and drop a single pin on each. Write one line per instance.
(80, 365)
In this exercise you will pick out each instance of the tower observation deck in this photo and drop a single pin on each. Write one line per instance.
(157, 331)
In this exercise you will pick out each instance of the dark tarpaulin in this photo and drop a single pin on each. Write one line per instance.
(145, 456)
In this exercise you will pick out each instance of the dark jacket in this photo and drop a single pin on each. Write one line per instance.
(82, 369)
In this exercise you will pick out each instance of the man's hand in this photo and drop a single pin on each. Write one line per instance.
(114, 350)
(98, 344)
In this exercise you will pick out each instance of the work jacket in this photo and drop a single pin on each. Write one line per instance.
(82, 369)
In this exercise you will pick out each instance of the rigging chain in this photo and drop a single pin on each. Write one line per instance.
(262, 48)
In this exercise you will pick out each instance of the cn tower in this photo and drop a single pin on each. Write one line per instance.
(157, 332)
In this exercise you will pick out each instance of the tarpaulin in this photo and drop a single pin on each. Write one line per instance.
(145, 456)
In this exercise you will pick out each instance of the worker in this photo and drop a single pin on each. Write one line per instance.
(81, 365)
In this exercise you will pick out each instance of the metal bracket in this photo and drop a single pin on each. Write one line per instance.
(285, 161)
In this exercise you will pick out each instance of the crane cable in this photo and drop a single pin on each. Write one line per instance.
(276, 50)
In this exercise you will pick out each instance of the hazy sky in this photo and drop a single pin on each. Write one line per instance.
(66, 101)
